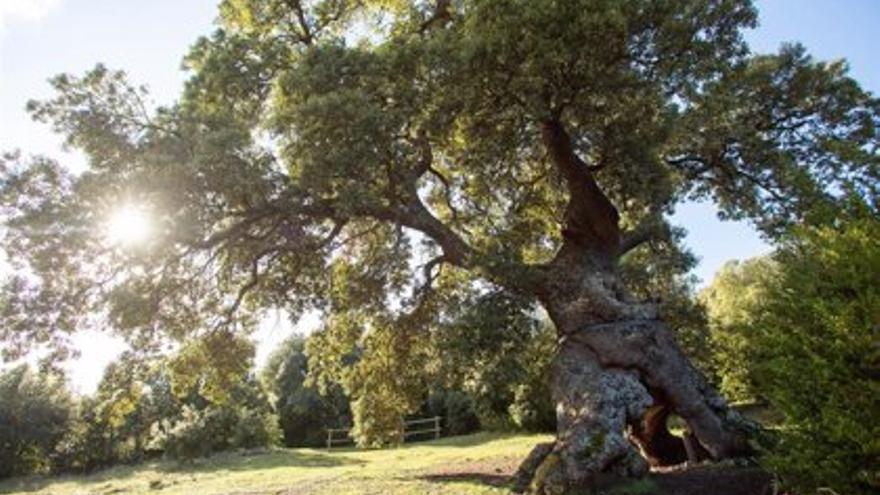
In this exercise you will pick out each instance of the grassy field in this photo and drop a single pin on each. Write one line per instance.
(470, 465)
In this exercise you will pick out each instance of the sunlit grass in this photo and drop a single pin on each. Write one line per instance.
(408, 470)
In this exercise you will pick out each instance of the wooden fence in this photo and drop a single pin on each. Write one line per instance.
(339, 436)
(433, 428)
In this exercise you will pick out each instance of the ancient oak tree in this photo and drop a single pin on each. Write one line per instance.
(384, 160)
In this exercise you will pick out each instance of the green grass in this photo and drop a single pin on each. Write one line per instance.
(470, 465)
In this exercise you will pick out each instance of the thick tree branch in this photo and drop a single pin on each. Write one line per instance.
(650, 229)
(413, 213)
(418, 217)
(306, 37)
(591, 219)
(440, 16)
(422, 290)
(250, 285)
(447, 192)
(237, 229)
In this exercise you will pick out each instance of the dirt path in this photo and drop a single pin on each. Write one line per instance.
(716, 480)
(696, 480)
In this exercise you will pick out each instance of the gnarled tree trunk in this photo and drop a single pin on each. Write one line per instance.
(615, 383)
(618, 373)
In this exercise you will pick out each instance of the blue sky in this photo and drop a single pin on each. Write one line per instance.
(40, 38)
(830, 29)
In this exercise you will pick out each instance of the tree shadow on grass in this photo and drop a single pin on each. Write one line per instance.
(35, 483)
(485, 479)
(235, 462)
(101, 481)
(461, 441)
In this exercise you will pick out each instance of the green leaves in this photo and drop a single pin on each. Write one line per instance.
(303, 413)
(35, 411)
(212, 365)
(800, 331)
(733, 301)
(296, 22)
(819, 329)
(99, 113)
(779, 136)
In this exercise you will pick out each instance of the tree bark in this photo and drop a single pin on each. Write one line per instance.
(614, 385)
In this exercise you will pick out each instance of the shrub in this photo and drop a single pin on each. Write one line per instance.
(255, 429)
(818, 359)
(456, 408)
(198, 432)
(189, 436)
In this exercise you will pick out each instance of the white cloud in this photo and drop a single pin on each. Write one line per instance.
(22, 11)
(25, 10)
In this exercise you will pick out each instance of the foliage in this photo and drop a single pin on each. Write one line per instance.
(799, 329)
(489, 357)
(114, 425)
(732, 300)
(142, 410)
(192, 434)
(254, 428)
(36, 410)
(198, 432)
(456, 408)
(201, 426)
(532, 407)
(483, 349)
(386, 385)
(818, 360)
(303, 413)
(213, 365)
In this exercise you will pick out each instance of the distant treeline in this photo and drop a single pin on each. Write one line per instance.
(153, 407)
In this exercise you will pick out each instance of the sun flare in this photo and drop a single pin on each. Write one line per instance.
(129, 226)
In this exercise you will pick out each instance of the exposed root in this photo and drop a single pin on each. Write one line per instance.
(529, 466)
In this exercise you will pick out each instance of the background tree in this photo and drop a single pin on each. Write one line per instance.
(732, 301)
(114, 422)
(143, 409)
(303, 413)
(219, 402)
(497, 350)
(377, 160)
(802, 320)
(36, 410)
(200, 427)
